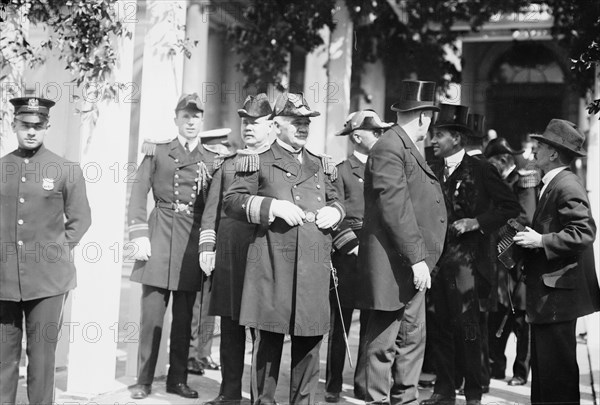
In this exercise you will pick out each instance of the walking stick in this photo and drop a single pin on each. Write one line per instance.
(339, 305)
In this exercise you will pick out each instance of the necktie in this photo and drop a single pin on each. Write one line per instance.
(187, 147)
(296, 154)
(446, 172)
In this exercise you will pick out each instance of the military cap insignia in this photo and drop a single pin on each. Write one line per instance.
(149, 146)
(33, 104)
(329, 166)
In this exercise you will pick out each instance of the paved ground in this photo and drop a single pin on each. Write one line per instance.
(208, 385)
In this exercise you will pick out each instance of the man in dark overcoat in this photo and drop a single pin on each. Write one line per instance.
(166, 244)
(559, 266)
(363, 128)
(478, 202)
(224, 245)
(44, 213)
(400, 243)
(287, 192)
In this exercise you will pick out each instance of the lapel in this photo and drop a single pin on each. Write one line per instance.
(180, 157)
(310, 166)
(541, 206)
(408, 144)
(357, 167)
(285, 161)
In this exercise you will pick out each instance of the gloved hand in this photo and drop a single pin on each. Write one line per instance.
(288, 211)
(141, 248)
(421, 276)
(327, 217)
(207, 262)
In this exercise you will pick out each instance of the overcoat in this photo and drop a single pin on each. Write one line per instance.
(178, 181)
(561, 277)
(44, 213)
(405, 222)
(286, 287)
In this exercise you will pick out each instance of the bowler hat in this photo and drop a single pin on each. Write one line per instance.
(416, 95)
(32, 110)
(362, 120)
(499, 146)
(292, 105)
(256, 106)
(563, 135)
(476, 122)
(189, 102)
(454, 116)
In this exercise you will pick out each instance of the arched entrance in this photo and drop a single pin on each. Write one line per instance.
(527, 89)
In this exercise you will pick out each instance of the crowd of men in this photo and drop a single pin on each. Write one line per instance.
(444, 249)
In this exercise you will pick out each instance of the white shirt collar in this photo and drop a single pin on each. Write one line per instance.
(289, 148)
(474, 152)
(192, 143)
(548, 177)
(361, 156)
(453, 161)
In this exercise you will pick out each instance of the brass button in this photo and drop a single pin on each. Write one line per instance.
(20, 222)
(193, 195)
(176, 176)
(318, 186)
(21, 200)
(318, 198)
(176, 184)
(360, 180)
(442, 220)
(26, 161)
(176, 192)
(288, 174)
(297, 197)
(20, 243)
(176, 160)
(23, 179)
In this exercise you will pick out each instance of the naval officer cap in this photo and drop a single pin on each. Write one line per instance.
(189, 102)
(292, 105)
(256, 107)
(32, 110)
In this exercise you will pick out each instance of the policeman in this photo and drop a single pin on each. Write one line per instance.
(178, 174)
(44, 213)
(363, 128)
(287, 192)
(231, 239)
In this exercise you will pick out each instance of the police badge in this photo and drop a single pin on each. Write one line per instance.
(48, 184)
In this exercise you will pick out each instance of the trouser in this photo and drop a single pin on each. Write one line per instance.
(336, 350)
(43, 319)
(203, 326)
(485, 354)
(395, 342)
(266, 360)
(231, 352)
(515, 323)
(154, 305)
(554, 369)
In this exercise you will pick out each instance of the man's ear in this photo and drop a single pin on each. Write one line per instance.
(357, 138)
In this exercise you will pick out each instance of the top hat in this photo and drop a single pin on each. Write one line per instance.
(256, 107)
(476, 122)
(454, 116)
(214, 136)
(189, 102)
(416, 95)
(563, 135)
(292, 105)
(499, 146)
(32, 110)
(362, 120)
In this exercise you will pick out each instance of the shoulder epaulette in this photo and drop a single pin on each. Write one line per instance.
(219, 159)
(247, 161)
(329, 167)
(149, 146)
(529, 178)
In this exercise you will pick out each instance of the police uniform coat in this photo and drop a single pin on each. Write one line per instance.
(229, 238)
(286, 288)
(44, 213)
(178, 181)
(561, 277)
(405, 222)
(349, 186)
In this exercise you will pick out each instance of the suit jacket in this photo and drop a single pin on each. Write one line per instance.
(44, 213)
(286, 288)
(175, 177)
(561, 277)
(405, 222)
(476, 190)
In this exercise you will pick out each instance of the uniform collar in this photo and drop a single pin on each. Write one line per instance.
(191, 143)
(27, 153)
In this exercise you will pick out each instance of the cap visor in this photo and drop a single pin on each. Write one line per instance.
(32, 118)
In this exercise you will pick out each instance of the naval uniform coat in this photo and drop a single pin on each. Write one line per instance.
(405, 222)
(561, 277)
(44, 213)
(174, 177)
(286, 288)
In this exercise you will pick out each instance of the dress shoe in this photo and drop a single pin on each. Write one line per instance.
(182, 390)
(140, 391)
(484, 390)
(194, 367)
(517, 381)
(223, 400)
(207, 363)
(332, 397)
(438, 399)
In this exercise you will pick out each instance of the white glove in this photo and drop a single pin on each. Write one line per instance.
(422, 278)
(207, 262)
(141, 248)
(327, 217)
(288, 211)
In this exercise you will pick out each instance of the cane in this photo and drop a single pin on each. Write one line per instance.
(339, 305)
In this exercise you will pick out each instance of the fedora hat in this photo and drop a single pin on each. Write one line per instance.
(255, 107)
(563, 135)
(454, 116)
(362, 120)
(292, 105)
(477, 123)
(499, 146)
(416, 95)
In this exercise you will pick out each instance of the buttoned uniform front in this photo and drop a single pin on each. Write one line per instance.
(44, 213)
